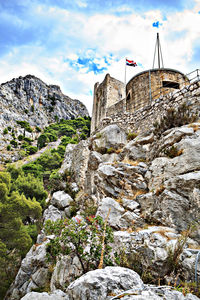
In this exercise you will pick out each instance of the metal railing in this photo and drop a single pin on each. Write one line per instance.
(189, 79)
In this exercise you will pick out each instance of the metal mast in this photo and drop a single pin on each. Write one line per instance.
(159, 51)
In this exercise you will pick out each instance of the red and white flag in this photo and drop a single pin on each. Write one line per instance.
(130, 63)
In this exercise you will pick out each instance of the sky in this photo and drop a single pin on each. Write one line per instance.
(75, 43)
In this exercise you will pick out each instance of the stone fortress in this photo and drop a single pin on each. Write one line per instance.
(142, 98)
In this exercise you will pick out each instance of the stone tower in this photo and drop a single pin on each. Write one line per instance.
(105, 96)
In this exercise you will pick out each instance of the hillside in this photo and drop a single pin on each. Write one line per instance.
(110, 216)
(30, 100)
(150, 201)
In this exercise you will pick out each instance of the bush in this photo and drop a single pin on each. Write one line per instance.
(5, 131)
(8, 147)
(38, 129)
(31, 187)
(31, 149)
(42, 141)
(25, 125)
(81, 237)
(131, 136)
(14, 143)
(20, 137)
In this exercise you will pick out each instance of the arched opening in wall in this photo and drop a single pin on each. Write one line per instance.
(128, 96)
(170, 85)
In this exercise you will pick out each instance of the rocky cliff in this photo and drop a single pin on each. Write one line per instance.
(30, 99)
(150, 185)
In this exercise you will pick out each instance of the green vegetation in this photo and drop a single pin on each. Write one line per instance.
(15, 209)
(75, 235)
(25, 125)
(131, 136)
(23, 194)
(5, 131)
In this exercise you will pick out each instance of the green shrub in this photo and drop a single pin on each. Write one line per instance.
(8, 147)
(75, 235)
(33, 168)
(28, 140)
(38, 129)
(83, 136)
(31, 187)
(14, 143)
(131, 136)
(20, 137)
(9, 128)
(32, 149)
(5, 131)
(42, 141)
(25, 125)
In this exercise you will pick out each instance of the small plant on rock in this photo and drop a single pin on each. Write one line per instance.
(131, 136)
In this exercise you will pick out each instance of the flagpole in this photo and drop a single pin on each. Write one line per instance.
(125, 74)
(125, 84)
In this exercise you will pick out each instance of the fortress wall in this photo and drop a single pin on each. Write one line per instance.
(106, 94)
(143, 119)
(138, 88)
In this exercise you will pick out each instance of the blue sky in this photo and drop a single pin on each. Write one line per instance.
(75, 43)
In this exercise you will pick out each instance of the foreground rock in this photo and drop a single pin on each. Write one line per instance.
(111, 283)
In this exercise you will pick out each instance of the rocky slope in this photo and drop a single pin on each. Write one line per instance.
(30, 99)
(151, 186)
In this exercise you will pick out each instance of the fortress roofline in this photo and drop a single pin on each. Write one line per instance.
(155, 70)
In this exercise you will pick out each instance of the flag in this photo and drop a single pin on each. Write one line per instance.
(130, 63)
(157, 24)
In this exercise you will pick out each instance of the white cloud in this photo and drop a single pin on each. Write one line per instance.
(72, 35)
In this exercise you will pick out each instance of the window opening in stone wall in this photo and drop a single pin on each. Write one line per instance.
(171, 84)
(128, 96)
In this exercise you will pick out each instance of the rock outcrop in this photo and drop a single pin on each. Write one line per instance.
(151, 188)
(30, 99)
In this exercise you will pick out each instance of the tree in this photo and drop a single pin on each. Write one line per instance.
(14, 239)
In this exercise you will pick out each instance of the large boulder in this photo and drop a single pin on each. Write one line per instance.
(52, 213)
(61, 200)
(111, 136)
(102, 283)
(56, 295)
(67, 269)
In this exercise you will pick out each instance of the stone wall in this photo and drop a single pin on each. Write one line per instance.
(110, 97)
(106, 94)
(144, 118)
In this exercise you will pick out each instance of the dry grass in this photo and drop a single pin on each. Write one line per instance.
(180, 152)
(118, 151)
(159, 190)
(130, 162)
(195, 247)
(138, 193)
(194, 126)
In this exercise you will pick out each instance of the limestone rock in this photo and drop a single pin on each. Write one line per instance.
(111, 136)
(95, 159)
(61, 200)
(56, 295)
(98, 284)
(67, 269)
(66, 164)
(52, 213)
(115, 213)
